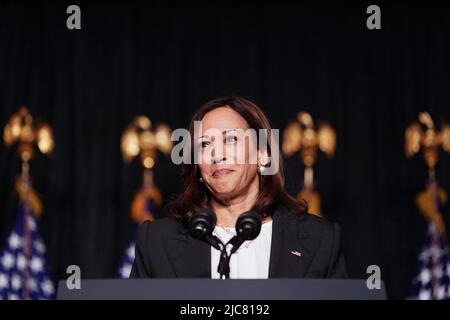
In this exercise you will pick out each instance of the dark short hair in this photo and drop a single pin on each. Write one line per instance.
(272, 190)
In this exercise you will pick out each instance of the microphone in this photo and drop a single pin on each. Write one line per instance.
(248, 227)
(201, 226)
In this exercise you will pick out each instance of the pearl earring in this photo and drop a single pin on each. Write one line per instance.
(261, 169)
(200, 179)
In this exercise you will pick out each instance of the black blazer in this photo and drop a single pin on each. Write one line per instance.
(164, 249)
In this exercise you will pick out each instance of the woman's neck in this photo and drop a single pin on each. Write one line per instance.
(228, 215)
(228, 211)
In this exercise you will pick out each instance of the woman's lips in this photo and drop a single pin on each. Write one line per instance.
(221, 172)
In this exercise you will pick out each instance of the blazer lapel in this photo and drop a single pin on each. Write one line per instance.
(189, 257)
(292, 249)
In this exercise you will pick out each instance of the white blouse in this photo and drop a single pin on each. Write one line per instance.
(251, 261)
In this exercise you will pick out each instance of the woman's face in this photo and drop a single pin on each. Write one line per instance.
(225, 153)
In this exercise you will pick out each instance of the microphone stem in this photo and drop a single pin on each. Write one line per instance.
(224, 264)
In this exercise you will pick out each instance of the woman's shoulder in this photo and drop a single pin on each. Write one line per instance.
(307, 224)
(157, 227)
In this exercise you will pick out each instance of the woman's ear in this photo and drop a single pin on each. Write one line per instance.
(263, 157)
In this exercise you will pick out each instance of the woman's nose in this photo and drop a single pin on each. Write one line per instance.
(218, 155)
(218, 159)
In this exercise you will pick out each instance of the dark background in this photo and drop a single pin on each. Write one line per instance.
(165, 60)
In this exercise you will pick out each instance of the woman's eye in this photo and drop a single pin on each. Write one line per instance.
(230, 139)
(204, 144)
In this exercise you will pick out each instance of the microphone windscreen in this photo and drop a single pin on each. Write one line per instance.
(248, 225)
(202, 223)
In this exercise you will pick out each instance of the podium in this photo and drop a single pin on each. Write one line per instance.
(216, 289)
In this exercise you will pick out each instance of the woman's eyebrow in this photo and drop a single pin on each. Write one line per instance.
(223, 132)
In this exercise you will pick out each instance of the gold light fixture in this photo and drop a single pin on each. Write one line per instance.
(138, 138)
(302, 135)
(20, 129)
(428, 139)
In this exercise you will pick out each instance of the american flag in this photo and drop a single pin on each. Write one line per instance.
(128, 258)
(23, 270)
(127, 261)
(432, 281)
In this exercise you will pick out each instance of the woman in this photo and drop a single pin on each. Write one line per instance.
(292, 243)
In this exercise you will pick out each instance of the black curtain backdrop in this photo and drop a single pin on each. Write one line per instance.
(164, 61)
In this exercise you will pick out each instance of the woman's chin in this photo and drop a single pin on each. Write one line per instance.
(224, 193)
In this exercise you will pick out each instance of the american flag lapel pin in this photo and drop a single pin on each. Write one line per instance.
(296, 253)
